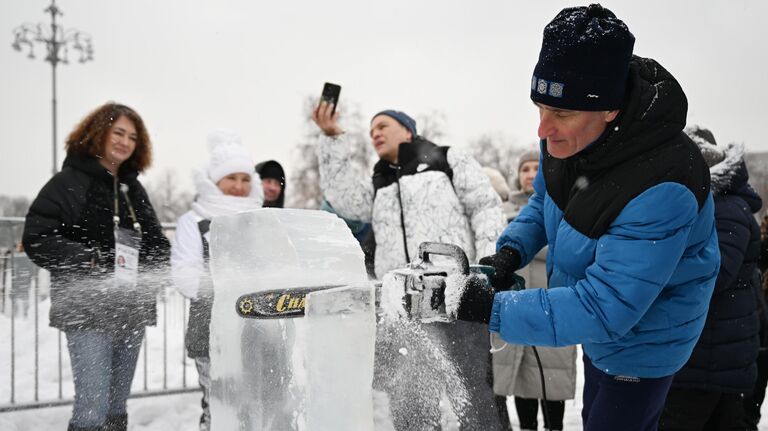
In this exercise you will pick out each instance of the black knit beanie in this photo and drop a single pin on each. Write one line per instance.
(584, 60)
(271, 169)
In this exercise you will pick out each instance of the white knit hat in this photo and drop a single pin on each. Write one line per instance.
(228, 155)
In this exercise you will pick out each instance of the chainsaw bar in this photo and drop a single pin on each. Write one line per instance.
(277, 303)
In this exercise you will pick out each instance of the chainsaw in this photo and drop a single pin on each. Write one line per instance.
(420, 287)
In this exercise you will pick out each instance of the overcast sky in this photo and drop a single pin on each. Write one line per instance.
(190, 65)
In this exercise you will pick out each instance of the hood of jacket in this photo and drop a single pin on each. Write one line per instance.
(730, 177)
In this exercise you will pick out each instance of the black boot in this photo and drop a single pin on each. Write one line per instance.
(116, 423)
(501, 406)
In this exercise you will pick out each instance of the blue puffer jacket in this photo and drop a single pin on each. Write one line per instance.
(633, 253)
(724, 358)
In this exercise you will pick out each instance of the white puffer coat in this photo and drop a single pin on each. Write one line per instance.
(466, 211)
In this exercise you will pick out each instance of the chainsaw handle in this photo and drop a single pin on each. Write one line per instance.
(442, 249)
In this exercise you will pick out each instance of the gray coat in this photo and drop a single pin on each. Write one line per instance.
(515, 371)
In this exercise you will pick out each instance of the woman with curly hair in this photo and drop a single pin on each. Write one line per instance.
(92, 226)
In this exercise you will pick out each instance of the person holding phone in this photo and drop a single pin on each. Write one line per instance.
(418, 192)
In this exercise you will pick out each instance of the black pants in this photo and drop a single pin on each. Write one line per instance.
(621, 403)
(528, 410)
(753, 401)
(693, 409)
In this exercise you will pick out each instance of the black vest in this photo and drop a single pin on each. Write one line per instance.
(413, 158)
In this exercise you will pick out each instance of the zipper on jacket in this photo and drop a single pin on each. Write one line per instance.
(402, 214)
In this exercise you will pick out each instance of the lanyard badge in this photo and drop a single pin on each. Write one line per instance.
(127, 245)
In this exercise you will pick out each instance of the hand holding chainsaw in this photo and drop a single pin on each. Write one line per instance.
(476, 303)
(505, 262)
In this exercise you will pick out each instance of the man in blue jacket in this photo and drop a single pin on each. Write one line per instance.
(622, 199)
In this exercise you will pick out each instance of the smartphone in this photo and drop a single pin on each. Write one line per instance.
(331, 95)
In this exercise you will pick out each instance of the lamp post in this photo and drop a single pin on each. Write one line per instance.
(58, 42)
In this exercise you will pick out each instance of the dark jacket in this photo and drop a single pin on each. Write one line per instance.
(724, 357)
(70, 224)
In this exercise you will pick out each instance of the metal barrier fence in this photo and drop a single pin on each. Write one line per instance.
(152, 377)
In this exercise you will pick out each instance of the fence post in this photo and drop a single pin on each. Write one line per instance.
(2, 275)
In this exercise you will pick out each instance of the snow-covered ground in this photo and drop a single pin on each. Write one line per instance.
(157, 413)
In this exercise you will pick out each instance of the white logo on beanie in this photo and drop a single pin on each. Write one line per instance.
(542, 88)
(556, 89)
(551, 88)
(228, 155)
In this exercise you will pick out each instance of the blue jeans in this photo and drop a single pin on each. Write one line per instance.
(103, 365)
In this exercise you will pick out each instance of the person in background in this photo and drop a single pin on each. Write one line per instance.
(227, 185)
(708, 392)
(753, 401)
(273, 183)
(515, 369)
(629, 274)
(418, 191)
(527, 167)
(83, 219)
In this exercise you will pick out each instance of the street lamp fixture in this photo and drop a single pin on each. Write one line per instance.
(58, 42)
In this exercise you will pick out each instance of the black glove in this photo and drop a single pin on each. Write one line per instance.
(505, 262)
(476, 301)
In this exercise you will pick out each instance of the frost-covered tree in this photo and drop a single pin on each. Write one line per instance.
(167, 198)
(431, 126)
(499, 152)
(13, 206)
